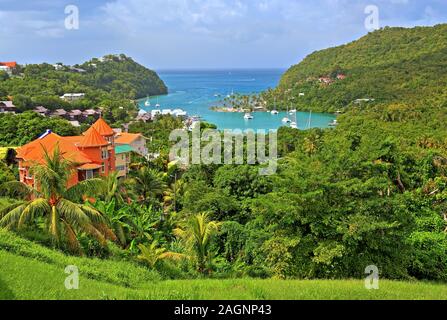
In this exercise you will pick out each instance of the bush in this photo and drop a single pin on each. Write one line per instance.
(429, 255)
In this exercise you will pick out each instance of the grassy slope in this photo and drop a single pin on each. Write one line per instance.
(29, 271)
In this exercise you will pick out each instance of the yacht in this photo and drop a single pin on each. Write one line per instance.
(274, 112)
(286, 119)
(333, 123)
(292, 111)
(294, 124)
(147, 103)
(248, 116)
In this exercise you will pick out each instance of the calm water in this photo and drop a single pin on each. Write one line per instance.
(197, 91)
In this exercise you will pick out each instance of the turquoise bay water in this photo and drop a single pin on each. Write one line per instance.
(197, 91)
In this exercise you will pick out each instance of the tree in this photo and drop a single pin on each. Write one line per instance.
(197, 235)
(148, 184)
(60, 206)
(152, 254)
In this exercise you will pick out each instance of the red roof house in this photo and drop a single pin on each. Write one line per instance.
(93, 153)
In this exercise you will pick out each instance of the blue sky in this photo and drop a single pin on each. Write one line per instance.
(168, 34)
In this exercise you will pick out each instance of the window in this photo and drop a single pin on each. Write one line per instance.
(120, 168)
(104, 154)
(89, 174)
(103, 168)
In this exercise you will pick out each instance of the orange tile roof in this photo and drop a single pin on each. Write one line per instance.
(89, 166)
(126, 138)
(103, 128)
(34, 151)
(92, 139)
(11, 64)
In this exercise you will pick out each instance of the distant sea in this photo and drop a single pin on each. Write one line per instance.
(197, 91)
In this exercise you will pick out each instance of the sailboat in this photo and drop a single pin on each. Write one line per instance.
(157, 105)
(309, 122)
(294, 124)
(274, 111)
(147, 103)
(286, 119)
(248, 116)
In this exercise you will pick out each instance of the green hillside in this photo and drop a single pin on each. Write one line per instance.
(388, 65)
(30, 271)
(111, 82)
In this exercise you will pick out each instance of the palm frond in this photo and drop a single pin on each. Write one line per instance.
(34, 208)
(72, 240)
(12, 217)
(89, 188)
(16, 189)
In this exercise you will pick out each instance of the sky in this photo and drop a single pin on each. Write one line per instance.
(196, 34)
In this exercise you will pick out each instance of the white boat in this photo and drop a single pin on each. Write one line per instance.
(286, 119)
(248, 116)
(294, 124)
(274, 112)
(147, 103)
(333, 123)
(292, 111)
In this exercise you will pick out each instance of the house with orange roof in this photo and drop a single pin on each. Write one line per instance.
(136, 140)
(93, 152)
(8, 66)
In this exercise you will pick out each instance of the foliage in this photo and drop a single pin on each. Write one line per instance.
(64, 217)
(22, 128)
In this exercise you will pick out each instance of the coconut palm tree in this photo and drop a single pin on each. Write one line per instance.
(62, 208)
(148, 184)
(197, 235)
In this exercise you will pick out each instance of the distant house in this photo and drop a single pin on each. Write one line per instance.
(8, 66)
(75, 114)
(91, 113)
(7, 107)
(136, 140)
(123, 153)
(341, 76)
(42, 111)
(58, 66)
(325, 80)
(79, 70)
(59, 113)
(75, 123)
(72, 96)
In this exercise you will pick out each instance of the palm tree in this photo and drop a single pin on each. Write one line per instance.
(153, 254)
(62, 208)
(148, 184)
(115, 188)
(197, 235)
(172, 194)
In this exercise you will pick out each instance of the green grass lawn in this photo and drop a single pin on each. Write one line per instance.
(30, 271)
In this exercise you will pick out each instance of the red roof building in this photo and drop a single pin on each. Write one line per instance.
(93, 153)
(11, 64)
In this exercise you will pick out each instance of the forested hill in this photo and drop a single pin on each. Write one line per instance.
(389, 65)
(121, 73)
(104, 81)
